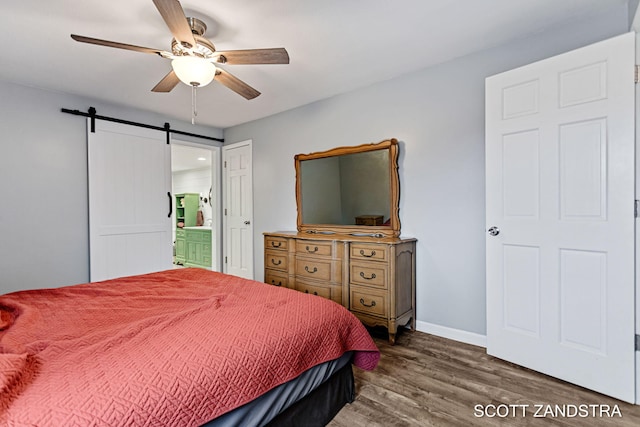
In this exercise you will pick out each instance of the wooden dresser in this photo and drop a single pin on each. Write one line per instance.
(373, 277)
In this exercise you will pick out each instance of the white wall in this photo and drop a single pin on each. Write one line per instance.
(44, 239)
(438, 116)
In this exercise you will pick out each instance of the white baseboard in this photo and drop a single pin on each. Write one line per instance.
(451, 333)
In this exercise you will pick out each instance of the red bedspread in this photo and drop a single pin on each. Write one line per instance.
(176, 348)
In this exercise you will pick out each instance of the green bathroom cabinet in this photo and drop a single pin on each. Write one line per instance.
(186, 209)
(198, 247)
(187, 205)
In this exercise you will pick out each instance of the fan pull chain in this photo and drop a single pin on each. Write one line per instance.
(194, 111)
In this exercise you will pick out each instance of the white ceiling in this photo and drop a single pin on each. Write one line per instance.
(335, 46)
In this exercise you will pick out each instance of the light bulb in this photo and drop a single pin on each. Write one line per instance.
(193, 70)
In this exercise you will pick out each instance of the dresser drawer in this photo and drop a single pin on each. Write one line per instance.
(321, 291)
(179, 233)
(369, 251)
(313, 268)
(277, 243)
(316, 248)
(276, 260)
(276, 278)
(372, 274)
(368, 301)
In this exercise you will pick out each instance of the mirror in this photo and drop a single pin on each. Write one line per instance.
(349, 190)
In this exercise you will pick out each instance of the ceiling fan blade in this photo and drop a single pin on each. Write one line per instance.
(167, 83)
(117, 45)
(173, 15)
(277, 55)
(235, 84)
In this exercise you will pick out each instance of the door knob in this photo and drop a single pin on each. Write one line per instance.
(494, 231)
(247, 222)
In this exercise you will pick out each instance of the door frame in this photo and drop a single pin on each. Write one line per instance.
(635, 26)
(217, 236)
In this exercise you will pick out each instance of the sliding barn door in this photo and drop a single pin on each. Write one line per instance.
(129, 201)
(560, 216)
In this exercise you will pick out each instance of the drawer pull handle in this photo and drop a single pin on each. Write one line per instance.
(273, 261)
(306, 268)
(373, 276)
(373, 253)
(306, 291)
(373, 303)
(315, 249)
(273, 282)
(273, 244)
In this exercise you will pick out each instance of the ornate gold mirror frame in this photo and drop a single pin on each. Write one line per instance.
(392, 229)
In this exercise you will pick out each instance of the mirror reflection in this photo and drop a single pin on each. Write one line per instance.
(350, 189)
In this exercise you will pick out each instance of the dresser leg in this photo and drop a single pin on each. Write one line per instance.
(392, 338)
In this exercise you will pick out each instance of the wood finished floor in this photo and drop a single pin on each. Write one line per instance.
(426, 380)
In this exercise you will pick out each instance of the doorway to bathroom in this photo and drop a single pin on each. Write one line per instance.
(195, 188)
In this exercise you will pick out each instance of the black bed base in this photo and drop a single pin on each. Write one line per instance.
(319, 407)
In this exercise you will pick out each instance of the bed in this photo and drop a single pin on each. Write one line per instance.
(184, 347)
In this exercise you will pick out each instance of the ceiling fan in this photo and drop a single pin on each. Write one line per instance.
(193, 57)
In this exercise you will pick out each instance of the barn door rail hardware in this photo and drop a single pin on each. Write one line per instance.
(166, 128)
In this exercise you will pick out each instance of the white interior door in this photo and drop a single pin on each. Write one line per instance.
(238, 209)
(560, 193)
(129, 201)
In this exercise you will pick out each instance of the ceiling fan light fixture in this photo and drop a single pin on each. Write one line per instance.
(194, 71)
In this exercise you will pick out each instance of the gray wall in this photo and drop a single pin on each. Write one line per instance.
(438, 116)
(43, 183)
